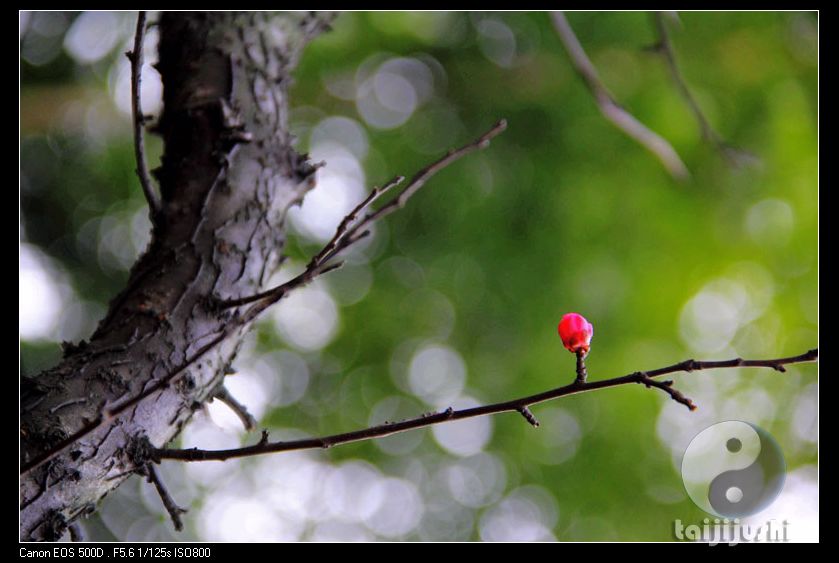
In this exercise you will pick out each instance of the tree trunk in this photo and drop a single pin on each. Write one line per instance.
(228, 176)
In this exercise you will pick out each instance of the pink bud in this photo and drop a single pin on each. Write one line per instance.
(576, 332)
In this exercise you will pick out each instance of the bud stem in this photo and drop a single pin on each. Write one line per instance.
(581, 367)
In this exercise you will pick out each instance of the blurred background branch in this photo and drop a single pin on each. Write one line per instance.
(611, 109)
(736, 156)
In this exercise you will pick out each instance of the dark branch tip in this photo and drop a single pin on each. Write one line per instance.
(169, 503)
(528, 416)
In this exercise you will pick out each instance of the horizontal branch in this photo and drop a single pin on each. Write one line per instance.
(520, 405)
(610, 108)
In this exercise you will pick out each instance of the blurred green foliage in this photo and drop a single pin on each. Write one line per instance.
(562, 213)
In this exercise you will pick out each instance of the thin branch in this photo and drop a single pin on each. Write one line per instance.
(343, 228)
(516, 405)
(223, 395)
(136, 58)
(352, 229)
(169, 503)
(265, 300)
(610, 108)
(421, 177)
(735, 156)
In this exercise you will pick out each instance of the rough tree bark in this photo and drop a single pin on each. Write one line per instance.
(228, 176)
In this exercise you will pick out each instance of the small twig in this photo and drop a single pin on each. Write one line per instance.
(582, 374)
(420, 178)
(263, 438)
(76, 533)
(528, 416)
(172, 508)
(136, 58)
(516, 405)
(610, 108)
(248, 421)
(667, 387)
(735, 156)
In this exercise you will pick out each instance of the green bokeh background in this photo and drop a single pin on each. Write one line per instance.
(562, 213)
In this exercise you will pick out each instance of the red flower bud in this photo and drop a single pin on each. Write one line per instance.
(576, 332)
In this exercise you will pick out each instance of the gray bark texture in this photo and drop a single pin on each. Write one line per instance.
(228, 176)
